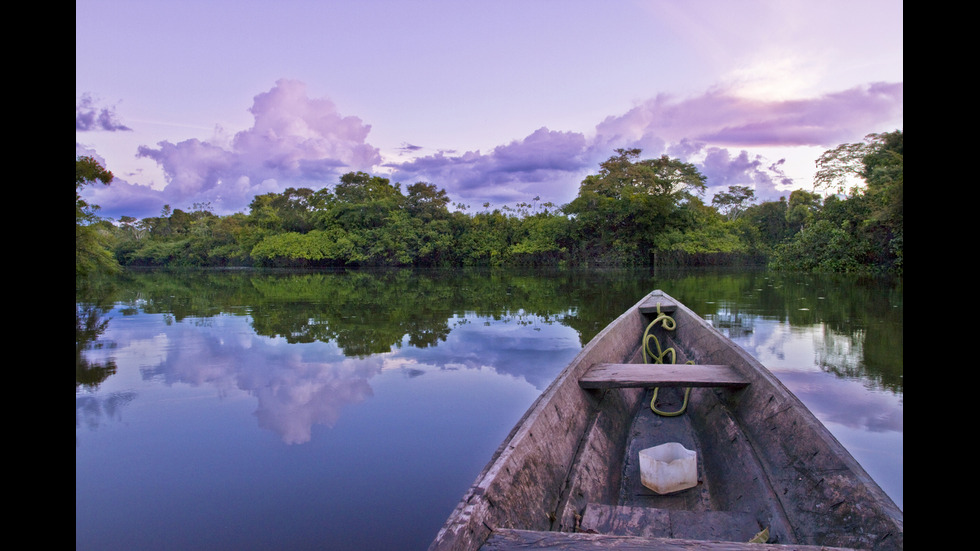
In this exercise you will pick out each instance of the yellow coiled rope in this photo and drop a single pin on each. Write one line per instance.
(649, 356)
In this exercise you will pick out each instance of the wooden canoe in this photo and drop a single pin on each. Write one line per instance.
(567, 476)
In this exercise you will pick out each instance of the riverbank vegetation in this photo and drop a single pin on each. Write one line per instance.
(632, 212)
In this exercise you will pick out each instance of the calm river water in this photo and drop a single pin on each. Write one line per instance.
(351, 410)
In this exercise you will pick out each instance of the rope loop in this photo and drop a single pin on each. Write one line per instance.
(649, 356)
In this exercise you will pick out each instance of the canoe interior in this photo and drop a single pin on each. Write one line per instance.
(764, 462)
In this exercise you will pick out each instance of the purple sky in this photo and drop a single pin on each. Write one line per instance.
(217, 101)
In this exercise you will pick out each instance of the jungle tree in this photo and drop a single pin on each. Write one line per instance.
(620, 210)
(91, 241)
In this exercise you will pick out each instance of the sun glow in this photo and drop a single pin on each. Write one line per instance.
(775, 78)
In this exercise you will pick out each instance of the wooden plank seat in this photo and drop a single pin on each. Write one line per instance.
(649, 306)
(613, 375)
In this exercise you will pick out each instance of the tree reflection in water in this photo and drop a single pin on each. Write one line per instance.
(404, 379)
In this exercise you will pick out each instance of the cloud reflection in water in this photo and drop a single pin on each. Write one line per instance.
(300, 385)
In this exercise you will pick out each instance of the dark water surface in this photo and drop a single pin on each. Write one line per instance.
(351, 410)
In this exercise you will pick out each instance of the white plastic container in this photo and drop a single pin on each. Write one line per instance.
(668, 468)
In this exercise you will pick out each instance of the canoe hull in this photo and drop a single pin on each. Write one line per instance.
(569, 465)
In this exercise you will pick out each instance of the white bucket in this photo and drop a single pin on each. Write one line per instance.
(668, 468)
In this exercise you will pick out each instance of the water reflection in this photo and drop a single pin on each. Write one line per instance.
(306, 344)
(93, 411)
(402, 382)
(300, 383)
(855, 324)
(90, 324)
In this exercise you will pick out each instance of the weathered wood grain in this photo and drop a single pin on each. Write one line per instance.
(665, 523)
(654, 304)
(615, 375)
(515, 540)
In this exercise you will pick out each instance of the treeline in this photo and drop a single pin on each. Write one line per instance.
(632, 212)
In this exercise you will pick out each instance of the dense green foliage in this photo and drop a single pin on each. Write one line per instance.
(91, 239)
(857, 231)
(632, 212)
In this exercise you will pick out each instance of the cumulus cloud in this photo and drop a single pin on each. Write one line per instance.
(120, 198)
(724, 119)
(826, 121)
(709, 131)
(90, 117)
(298, 141)
(295, 141)
(723, 169)
(543, 163)
(123, 198)
(294, 133)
